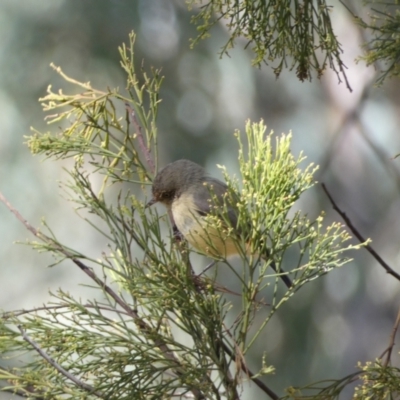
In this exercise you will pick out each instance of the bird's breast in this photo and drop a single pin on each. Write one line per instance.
(185, 214)
(200, 234)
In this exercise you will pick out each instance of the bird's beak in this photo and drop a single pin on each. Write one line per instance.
(150, 202)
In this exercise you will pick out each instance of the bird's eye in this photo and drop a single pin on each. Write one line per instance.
(167, 195)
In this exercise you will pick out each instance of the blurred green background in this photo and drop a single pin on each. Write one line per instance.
(331, 324)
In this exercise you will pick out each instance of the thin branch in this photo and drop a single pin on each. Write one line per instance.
(389, 349)
(18, 313)
(27, 225)
(27, 392)
(58, 367)
(143, 147)
(358, 235)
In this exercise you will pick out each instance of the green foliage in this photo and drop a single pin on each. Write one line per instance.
(300, 30)
(273, 182)
(159, 331)
(383, 47)
(378, 382)
(92, 127)
(325, 390)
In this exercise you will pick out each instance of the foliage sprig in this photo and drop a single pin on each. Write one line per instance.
(292, 34)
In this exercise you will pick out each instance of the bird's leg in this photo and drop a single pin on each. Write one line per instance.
(198, 281)
(177, 235)
(180, 240)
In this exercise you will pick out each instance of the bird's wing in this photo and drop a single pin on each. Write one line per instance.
(214, 189)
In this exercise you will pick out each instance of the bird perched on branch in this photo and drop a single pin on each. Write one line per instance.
(186, 190)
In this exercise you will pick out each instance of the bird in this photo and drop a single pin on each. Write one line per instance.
(190, 194)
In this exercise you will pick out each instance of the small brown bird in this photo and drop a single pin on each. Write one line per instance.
(190, 194)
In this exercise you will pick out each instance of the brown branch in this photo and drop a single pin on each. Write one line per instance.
(389, 349)
(143, 147)
(58, 367)
(358, 235)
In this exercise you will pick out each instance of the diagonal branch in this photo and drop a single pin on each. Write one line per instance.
(58, 367)
(358, 235)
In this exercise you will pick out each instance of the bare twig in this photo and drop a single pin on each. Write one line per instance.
(143, 147)
(58, 367)
(389, 349)
(358, 235)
